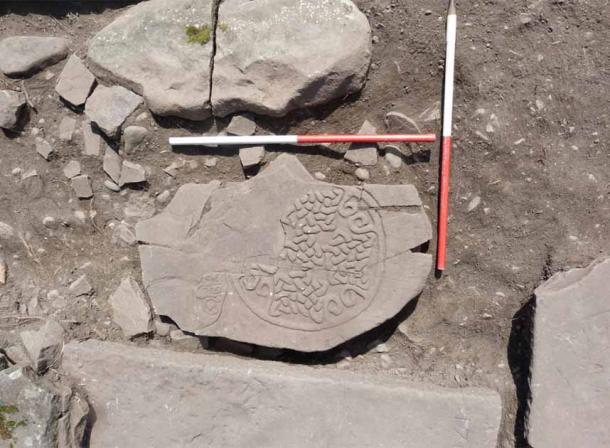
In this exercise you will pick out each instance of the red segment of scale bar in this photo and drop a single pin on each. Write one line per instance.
(346, 138)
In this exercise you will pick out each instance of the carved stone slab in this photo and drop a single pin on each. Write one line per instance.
(194, 400)
(284, 260)
(570, 374)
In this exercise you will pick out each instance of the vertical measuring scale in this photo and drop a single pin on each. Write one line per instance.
(445, 169)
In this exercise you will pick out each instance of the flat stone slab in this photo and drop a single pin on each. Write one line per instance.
(109, 107)
(75, 82)
(184, 399)
(284, 260)
(273, 56)
(570, 375)
(147, 50)
(24, 55)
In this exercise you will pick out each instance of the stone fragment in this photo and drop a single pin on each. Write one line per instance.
(44, 148)
(273, 73)
(252, 156)
(363, 154)
(179, 396)
(473, 204)
(211, 162)
(130, 310)
(80, 286)
(362, 174)
(393, 156)
(399, 123)
(163, 328)
(109, 107)
(49, 222)
(241, 125)
(72, 169)
(75, 82)
(132, 173)
(24, 55)
(82, 186)
(112, 164)
(3, 271)
(66, 129)
(123, 235)
(319, 176)
(147, 50)
(133, 136)
(92, 139)
(12, 105)
(32, 184)
(163, 197)
(32, 407)
(111, 186)
(186, 341)
(571, 360)
(259, 282)
(44, 346)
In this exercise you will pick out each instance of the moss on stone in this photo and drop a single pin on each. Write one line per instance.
(7, 424)
(198, 35)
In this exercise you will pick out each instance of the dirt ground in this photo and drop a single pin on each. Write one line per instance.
(531, 127)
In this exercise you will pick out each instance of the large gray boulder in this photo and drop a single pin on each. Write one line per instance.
(147, 50)
(284, 260)
(146, 398)
(570, 375)
(24, 55)
(273, 56)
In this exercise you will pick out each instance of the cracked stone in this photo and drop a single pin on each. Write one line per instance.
(72, 169)
(130, 310)
(363, 154)
(25, 55)
(213, 395)
(109, 107)
(160, 64)
(44, 346)
(132, 173)
(241, 125)
(273, 73)
(251, 157)
(12, 105)
(66, 129)
(82, 186)
(75, 82)
(278, 276)
(44, 148)
(571, 360)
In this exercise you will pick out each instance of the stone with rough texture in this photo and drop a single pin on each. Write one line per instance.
(251, 157)
(273, 56)
(393, 156)
(133, 136)
(75, 82)
(109, 107)
(72, 169)
(12, 105)
(44, 346)
(81, 286)
(183, 399)
(82, 186)
(92, 140)
(112, 164)
(131, 173)
(44, 148)
(146, 49)
(24, 55)
(570, 374)
(362, 174)
(363, 154)
(66, 129)
(130, 310)
(399, 123)
(241, 125)
(284, 260)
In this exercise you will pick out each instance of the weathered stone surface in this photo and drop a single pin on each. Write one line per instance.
(75, 82)
(66, 129)
(363, 154)
(570, 374)
(241, 125)
(133, 136)
(251, 157)
(273, 56)
(130, 310)
(81, 286)
(132, 173)
(11, 105)
(393, 156)
(284, 260)
(72, 169)
(23, 55)
(180, 399)
(109, 107)
(362, 174)
(92, 140)
(147, 49)
(44, 346)
(44, 148)
(82, 186)
(112, 164)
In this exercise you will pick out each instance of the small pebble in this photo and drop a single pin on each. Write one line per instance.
(211, 162)
(318, 175)
(474, 203)
(49, 222)
(163, 197)
(362, 174)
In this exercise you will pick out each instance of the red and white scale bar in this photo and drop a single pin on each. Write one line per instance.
(236, 140)
(445, 171)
